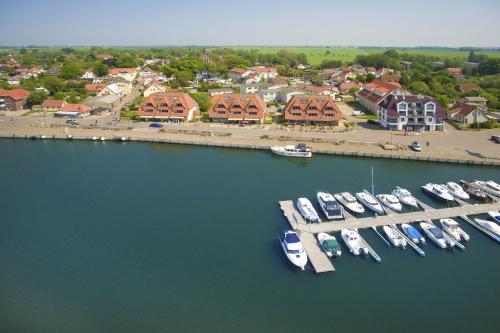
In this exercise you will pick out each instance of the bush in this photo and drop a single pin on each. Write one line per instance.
(489, 124)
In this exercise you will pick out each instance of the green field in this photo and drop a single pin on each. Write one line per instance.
(316, 55)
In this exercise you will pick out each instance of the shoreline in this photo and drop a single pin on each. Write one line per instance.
(224, 142)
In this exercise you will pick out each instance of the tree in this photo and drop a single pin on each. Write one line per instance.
(489, 67)
(70, 70)
(317, 80)
(203, 99)
(183, 77)
(36, 98)
(100, 69)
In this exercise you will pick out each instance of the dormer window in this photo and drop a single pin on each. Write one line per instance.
(251, 106)
(220, 105)
(295, 107)
(179, 105)
(237, 106)
(402, 106)
(312, 107)
(429, 107)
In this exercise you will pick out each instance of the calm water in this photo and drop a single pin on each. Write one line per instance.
(165, 238)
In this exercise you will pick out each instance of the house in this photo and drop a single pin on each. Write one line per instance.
(237, 107)
(391, 77)
(13, 100)
(411, 113)
(203, 75)
(108, 59)
(456, 72)
(286, 94)
(220, 91)
(253, 88)
(344, 87)
(111, 89)
(237, 73)
(300, 66)
(14, 81)
(319, 90)
(265, 73)
(269, 95)
(128, 74)
(278, 82)
(312, 109)
(88, 75)
(250, 78)
(214, 80)
(347, 74)
(94, 88)
(383, 71)
(374, 92)
(174, 106)
(467, 113)
(52, 105)
(476, 100)
(466, 87)
(99, 104)
(73, 110)
(154, 87)
(146, 72)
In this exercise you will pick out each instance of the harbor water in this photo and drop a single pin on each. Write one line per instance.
(129, 237)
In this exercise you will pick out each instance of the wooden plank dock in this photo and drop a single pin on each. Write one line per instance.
(319, 260)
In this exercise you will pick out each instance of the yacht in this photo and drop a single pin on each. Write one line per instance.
(473, 190)
(457, 191)
(353, 241)
(489, 187)
(434, 233)
(495, 215)
(329, 244)
(437, 191)
(491, 226)
(307, 210)
(405, 196)
(299, 150)
(413, 234)
(452, 228)
(390, 201)
(367, 199)
(293, 248)
(394, 236)
(350, 202)
(329, 206)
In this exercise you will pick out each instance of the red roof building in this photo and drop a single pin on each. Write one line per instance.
(52, 104)
(13, 100)
(237, 107)
(174, 106)
(306, 109)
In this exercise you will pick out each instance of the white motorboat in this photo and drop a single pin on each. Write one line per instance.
(438, 191)
(489, 187)
(293, 248)
(390, 201)
(452, 228)
(435, 234)
(307, 210)
(405, 196)
(329, 244)
(299, 150)
(367, 199)
(495, 215)
(491, 226)
(353, 241)
(457, 191)
(329, 206)
(350, 202)
(413, 233)
(394, 236)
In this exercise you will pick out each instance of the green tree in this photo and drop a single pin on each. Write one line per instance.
(316, 80)
(100, 69)
(183, 77)
(70, 70)
(36, 98)
(203, 99)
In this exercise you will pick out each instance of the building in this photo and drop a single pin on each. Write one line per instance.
(146, 72)
(73, 110)
(52, 105)
(411, 113)
(319, 90)
(220, 91)
(102, 103)
(88, 75)
(374, 92)
(128, 74)
(268, 95)
(476, 100)
(13, 100)
(344, 87)
(466, 87)
(265, 73)
(278, 82)
(237, 107)
(286, 94)
(456, 72)
(94, 88)
(169, 106)
(153, 88)
(111, 89)
(467, 113)
(312, 109)
(237, 73)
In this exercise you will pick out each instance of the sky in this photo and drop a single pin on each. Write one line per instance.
(251, 22)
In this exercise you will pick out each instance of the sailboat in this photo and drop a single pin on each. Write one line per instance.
(368, 199)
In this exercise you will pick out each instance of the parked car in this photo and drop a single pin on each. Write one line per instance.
(357, 113)
(495, 138)
(415, 146)
(338, 99)
(71, 121)
(156, 125)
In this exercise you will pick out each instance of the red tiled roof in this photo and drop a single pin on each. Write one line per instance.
(311, 108)
(345, 86)
(382, 86)
(237, 106)
(391, 78)
(278, 80)
(53, 103)
(75, 108)
(461, 109)
(93, 87)
(238, 70)
(116, 71)
(391, 101)
(15, 94)
(167, 104)
(464, 87)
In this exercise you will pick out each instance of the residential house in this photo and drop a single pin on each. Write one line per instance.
(169, 106)
(265, 73)
(411, 113)
(128, 74)
(88, 75)
(220, 91)
(14, 80)
(466, 87)
(94, 88)
(52, 105)
(269, 95)
(253, 88)
(104, 103)
(286, 94)
(146, 72)
(278, 82)
(13, 100)
(214, 80)
(456, 72)
(203, 75)
(319, 90)
(312, 109)
(111, 89)
(153, 88)
(300, 66)
(476, 100)
(391, 77)
(467, 113)
(237, 107)
(374, 92)
(237, 73)
(347, 74)
(73, 110)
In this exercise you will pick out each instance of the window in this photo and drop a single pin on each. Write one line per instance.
(164, 111)
(237, 112)
(429, 120)
(163, 104)
(429, 107)
(179, 111)
(402, 119)
(251, 106)
(329, 108)
(313, 114)
(252, 113)
(148, 104)
(221, 112)
(296, 114)
(237, 106)
(402, 106)
(295, 107)
(220, 105)
(312, 107)
(179, 105)
(329, 114)
(402, 113)
(148, 110)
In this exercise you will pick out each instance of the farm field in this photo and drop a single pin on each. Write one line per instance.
(316, 55)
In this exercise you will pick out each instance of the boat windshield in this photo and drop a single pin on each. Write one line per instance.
(292, 238)
(331, 243)
(295, 251)
(437, 233)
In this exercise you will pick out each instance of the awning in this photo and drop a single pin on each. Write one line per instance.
(67, 113)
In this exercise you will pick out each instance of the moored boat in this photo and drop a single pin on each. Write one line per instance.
(367, 199)
(495, 215)
(452, 228)
(489, 187)
(437, 191)
(390, 201)
(330, 207)
(394, 236)
(329, 244)
(457, 191)
(473, 190)
(413, 234)
(299, 150)
(353, 241)
(293, 248)
(435, 234)
(350, 202)
(405, 196)
(488, 225)
(307, 210)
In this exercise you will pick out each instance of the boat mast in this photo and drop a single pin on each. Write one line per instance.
(373, 192)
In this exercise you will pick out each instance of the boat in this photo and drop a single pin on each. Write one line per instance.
(457, 191)
(299, 150)
(490, 226)
(438, 192)
(435, 234)
(367, 199)
(394, 236)
(412, 233)
(353, 241)
(489, 187)
(329, 244)
(307, 210)
(293, 248)
(405, 196)
(495, 215)
(329, 206)
(452, 228)
(473, 190)
(350, 202)
(390, 201)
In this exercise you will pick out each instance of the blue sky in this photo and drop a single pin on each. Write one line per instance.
(254, 22)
